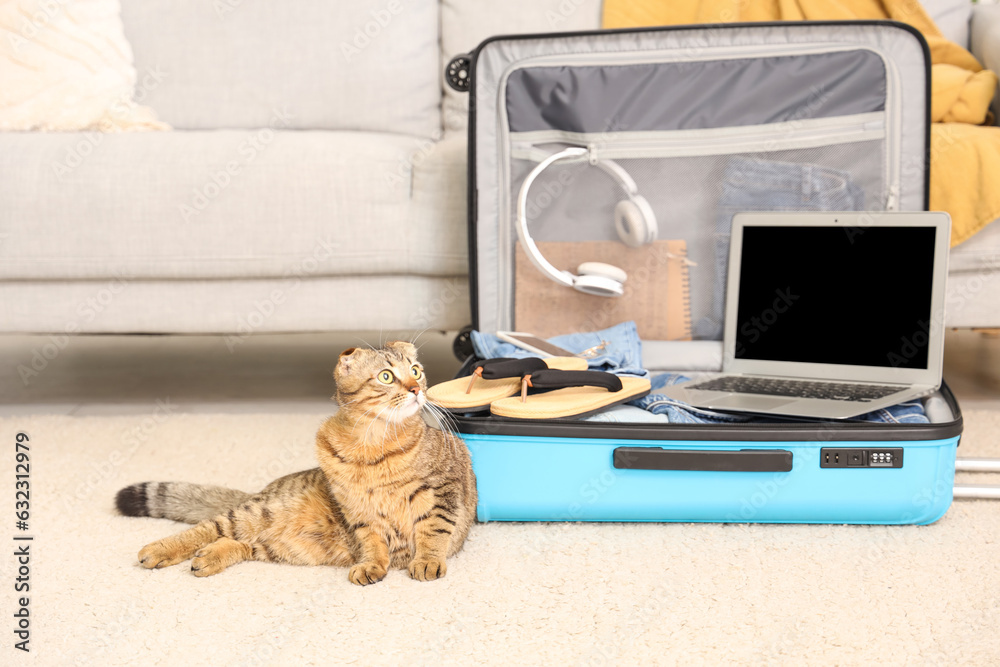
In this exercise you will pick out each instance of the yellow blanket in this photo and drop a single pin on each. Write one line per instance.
(965, 155)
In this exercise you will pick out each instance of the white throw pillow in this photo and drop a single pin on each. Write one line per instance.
(66, 65)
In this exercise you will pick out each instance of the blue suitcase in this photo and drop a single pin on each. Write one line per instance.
(675, 107)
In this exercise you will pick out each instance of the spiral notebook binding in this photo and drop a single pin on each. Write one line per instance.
(685, 292)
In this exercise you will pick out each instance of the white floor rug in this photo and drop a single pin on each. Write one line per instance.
(519, 594)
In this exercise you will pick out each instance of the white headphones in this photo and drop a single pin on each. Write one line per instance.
(634, 221)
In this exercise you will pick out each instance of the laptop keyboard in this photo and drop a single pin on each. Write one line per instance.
(797, 388)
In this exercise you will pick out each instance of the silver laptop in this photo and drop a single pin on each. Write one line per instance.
(829, 315)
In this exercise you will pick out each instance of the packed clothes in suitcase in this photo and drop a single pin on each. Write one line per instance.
(636, 149)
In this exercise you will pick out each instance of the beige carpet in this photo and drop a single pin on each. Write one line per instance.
(518, 594)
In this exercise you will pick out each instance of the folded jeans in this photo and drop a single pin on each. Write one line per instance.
(618, 349)
(678, 412)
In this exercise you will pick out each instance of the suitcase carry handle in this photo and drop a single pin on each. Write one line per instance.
(743, 460)
(977, 491)
(980, 491)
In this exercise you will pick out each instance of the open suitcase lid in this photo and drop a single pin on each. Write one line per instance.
(790, 92)
(689, 114)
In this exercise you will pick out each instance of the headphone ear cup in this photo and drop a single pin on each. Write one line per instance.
(600, 279)
(602, 270)
(648, 217)
(630, 223)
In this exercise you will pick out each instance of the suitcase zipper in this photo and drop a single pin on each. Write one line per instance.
(696, 143)
(722, 53)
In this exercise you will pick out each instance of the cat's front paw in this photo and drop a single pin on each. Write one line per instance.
(363, 574)
(207, 561)
(161, 554)
(427, 569)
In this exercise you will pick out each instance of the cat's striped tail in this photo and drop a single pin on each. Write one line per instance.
(179, 501)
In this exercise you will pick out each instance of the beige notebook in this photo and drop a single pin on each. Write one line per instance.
(657, 292)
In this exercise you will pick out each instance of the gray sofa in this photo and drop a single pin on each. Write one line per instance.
(314, 181)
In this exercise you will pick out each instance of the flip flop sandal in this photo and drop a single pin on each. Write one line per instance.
(492, 380)
(574, 394)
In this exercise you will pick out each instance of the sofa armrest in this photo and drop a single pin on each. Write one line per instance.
(984, 42)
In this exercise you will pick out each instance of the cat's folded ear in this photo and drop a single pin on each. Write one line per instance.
(345, 360)
(405, 347)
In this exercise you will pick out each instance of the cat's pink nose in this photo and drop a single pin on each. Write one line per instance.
(415, 388)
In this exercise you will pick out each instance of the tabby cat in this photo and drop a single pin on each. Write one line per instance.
(390, 491)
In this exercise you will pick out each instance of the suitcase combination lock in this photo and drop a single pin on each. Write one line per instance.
(883, 457)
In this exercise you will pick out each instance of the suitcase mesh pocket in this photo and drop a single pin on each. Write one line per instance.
(703, 136)
(694, 198)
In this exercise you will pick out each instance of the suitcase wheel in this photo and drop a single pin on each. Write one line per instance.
(457, 73)
(462, 345)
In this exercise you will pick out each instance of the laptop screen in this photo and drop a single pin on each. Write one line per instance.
(836, 295)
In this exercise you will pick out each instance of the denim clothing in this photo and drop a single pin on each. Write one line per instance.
(627, 414)
(678, 412)
(752, 184)
(621, 355)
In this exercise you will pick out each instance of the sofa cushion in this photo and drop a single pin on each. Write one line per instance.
(229, 204)
(240, 308)
(971, 301)
(358, 65)
(981, 253)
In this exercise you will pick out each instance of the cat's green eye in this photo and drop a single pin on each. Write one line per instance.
(416, 372)
(386, 377)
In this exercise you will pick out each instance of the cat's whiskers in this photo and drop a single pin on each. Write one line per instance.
(358, 420)
(447, 420)
(364, 342)
(414, 337)
(385, 432)
(392, 420)
(356, 400)
(444, 418)
(347, 403)
(390, 423)
(364, 438)
(445, 413)
(400, 426)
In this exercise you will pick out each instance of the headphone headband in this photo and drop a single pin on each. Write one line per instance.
(615, 171)
(536, 257)
(566, 278)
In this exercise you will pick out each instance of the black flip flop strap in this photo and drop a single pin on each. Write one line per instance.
(495, 369)
(555, 379)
